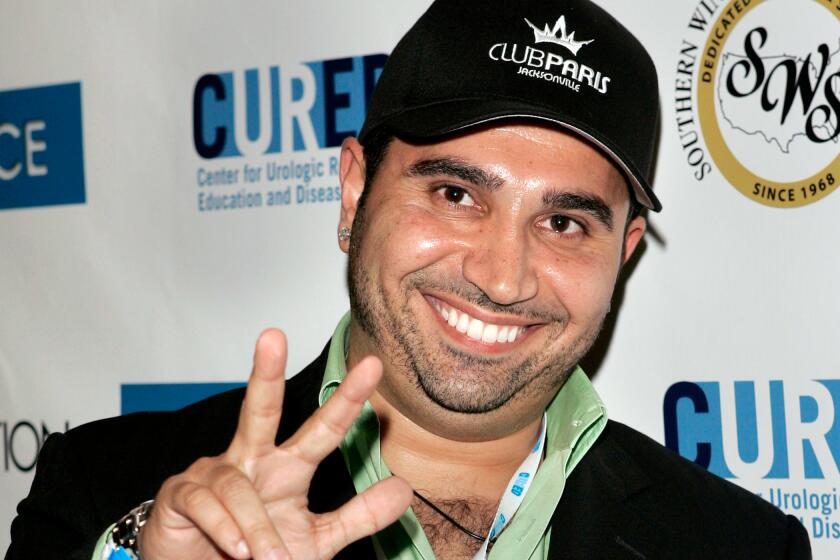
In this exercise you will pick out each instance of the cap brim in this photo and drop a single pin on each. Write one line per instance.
(431, 121)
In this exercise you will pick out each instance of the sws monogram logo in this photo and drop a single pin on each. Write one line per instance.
(763, 94)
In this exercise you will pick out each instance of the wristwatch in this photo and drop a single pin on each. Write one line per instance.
(124, 534)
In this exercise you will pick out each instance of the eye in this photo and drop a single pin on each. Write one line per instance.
(456, 196)
(560, 224)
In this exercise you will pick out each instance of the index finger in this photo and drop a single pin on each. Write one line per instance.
(259, 417)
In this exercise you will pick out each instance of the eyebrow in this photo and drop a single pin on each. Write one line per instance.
(591, 204)
(454, 167)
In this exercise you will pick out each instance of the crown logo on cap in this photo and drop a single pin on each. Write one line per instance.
(567, 40)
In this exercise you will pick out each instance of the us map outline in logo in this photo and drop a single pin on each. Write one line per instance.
(757, 98)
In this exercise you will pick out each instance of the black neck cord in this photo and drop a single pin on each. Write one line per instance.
(446, 516)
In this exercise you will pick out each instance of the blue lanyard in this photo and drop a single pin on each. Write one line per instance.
(515, 492)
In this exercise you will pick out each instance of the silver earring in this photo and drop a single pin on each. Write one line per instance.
(344, 234)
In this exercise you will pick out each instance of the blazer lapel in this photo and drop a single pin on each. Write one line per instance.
(596, 518)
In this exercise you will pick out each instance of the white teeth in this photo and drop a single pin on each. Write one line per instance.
(477, 329)
(491, 333)
(453, 318)
(463, 323)
(512, 334)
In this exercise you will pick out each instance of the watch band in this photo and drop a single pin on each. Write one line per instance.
(123, 537)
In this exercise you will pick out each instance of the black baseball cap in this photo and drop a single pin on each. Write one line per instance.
(568, 62)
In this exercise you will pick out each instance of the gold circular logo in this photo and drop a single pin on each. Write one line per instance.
(754, 89)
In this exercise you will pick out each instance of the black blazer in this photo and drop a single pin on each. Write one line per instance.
(629, 498)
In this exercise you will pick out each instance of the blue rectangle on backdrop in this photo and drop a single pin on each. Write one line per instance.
(167, 396)
(41, 153)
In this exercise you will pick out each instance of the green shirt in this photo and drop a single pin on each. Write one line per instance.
(575, 419)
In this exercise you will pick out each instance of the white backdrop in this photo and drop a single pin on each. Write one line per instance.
(734, 299)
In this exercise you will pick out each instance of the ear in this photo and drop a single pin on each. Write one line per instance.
(634, 233)
(352, 177)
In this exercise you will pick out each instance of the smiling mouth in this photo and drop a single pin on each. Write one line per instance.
(475, 329)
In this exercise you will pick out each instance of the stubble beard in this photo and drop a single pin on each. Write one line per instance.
(482, 384)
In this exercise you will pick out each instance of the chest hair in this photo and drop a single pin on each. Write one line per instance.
(448, 542)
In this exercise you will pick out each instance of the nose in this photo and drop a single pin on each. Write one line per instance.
(500, 264)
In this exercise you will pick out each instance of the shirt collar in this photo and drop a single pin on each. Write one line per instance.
(336, 368)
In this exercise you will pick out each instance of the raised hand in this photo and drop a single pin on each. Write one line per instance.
(251, 501)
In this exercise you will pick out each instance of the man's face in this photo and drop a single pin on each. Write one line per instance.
(482, 267)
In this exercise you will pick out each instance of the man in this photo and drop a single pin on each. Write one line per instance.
(487, 209)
